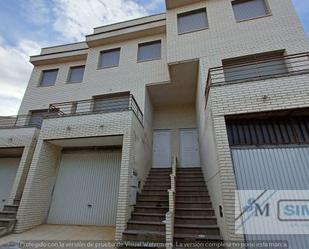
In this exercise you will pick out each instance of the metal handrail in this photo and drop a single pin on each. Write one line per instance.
(96, 106)
(284, 66)
(170, 215)
(18, 121)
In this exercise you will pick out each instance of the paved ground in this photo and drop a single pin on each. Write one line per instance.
(58, 232)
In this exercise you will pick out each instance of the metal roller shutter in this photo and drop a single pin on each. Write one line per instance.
(8, 169)
(271, 154)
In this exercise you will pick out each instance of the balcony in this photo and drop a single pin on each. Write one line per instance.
(101, 104)
(19, 121)
(263, 69)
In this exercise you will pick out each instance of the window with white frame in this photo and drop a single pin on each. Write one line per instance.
(192, 21)
(248, 9)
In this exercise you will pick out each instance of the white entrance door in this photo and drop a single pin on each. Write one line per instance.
(189, 148)
(161, 149)
(86, 189)
(8, 169)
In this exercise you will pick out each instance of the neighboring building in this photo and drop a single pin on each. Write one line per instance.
(222, 85)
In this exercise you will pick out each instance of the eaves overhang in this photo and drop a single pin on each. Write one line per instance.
(61, 54)
(172, 4)
(126, 33)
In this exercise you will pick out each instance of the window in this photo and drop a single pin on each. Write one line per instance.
(109, 58)
(36, 118)
(112, 102)
(192, 21)
(76, 74)
(248, 9)
(49, 77)
(149, 51)
(254, 66)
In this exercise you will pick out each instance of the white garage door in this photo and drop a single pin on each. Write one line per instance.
(86, 189)
(8, 169)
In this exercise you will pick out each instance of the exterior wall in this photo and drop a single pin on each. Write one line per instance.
(227, 38)
(20, 137)
(283, 93)
(174, 119)
(130, 75)
(35, 203)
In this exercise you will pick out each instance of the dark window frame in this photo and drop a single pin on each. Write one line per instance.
(100, 66)
(266, 5)
(70, 74)
(145, 44)
(42, 77)
(192, 12)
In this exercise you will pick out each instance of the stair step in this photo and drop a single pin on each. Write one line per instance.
(199, 220)
(190, 179)
(149, 209)
(197, 229)
(155, 192)
(10, 207)
(200, 183)
(193, 204)
(153, 198)
(192, 198)
(160, 169)
(156, 188)
(194, 237)
(149, 236)
(195, 211)
(148, 217)
(146, 225)
(8, 214)
(152, 203)
(191, 193)
(7, 222)
(191, 188)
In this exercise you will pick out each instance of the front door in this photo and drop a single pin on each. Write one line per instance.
(161, 149)
(189, 148)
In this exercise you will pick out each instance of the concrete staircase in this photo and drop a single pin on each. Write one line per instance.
(8, 218)
(195, 219)
(146, 223)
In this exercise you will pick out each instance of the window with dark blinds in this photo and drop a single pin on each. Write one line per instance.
(49, 77)
(248, 9)
(76, 74)
(109, 58)
(149, 51)
(192, 21)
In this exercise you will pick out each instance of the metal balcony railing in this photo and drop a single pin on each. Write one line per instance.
(19, 121)
(96, 105)
(262, 69)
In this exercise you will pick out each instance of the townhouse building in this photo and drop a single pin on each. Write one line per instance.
(217, 88)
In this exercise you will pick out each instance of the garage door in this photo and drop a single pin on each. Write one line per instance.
(8, 169)
(271, 154)
(86, 189)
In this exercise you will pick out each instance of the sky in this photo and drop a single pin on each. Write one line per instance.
(28, 25)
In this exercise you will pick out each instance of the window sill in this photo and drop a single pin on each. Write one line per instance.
(39, 86)
(101, 68)
(193, 31)
(253, 18)
(74, 82)
(157, 59)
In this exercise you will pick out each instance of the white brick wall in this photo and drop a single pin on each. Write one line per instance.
(130, 75)
(25, 138)
(37, 193)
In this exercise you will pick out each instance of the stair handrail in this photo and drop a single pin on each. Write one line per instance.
(170, 215)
